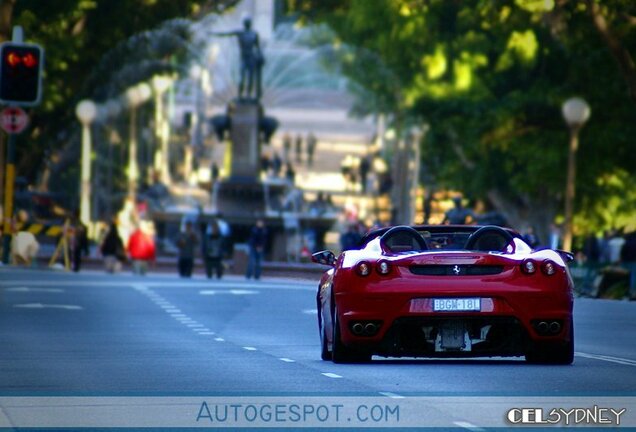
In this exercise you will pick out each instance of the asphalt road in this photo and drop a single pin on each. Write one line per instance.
(97, 334)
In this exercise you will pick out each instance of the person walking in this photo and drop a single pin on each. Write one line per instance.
(311, 148)
(141, 248)
(299, 149)
(256, 242)
(213, 250)
(287, 144)
(79, 243)
(363, 170)
(112, 249)
(187, 242)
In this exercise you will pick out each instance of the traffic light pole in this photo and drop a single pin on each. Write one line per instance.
(8, 199)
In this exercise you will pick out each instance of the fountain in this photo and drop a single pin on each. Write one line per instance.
(236, 111)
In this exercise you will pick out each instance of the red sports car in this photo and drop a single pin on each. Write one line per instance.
(446, 291)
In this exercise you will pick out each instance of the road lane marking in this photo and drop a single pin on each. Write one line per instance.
(206, 333)
(232, 292)
(469, 426)
(41, 290)
(287, 360)
(391, 395)
(276, 285)
(173, 311)
(250, 349)
(310, 311)
(195, 324)
(331, 375)
(219, 339)
(178, 315)
(47, 306)
(617, 360)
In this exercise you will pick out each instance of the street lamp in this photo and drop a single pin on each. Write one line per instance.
(135, 96)
(160, 84)
(86, 112)
(575, 112)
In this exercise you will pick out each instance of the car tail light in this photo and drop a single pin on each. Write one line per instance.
(363, 268)
(383, 267)
(548, 268)
(529, 267)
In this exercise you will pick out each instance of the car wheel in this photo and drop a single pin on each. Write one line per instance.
(561, 354)
(339, 352)
(325, 354)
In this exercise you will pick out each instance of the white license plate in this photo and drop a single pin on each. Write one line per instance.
(456, 304)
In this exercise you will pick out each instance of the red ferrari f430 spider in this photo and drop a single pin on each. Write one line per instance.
(446, 291)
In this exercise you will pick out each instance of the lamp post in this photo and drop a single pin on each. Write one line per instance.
(575, 112)
(135, 96)
(160, 84)
(86, 112)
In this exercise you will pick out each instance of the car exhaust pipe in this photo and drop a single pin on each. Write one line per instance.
(370, 329)
(543, 327)
(357, 328)
(555, 327)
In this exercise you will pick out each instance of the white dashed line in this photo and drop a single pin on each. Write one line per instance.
(469, 426)
(310, 311)
(193, 325)
(206, 333)
(250, 349)
(219, 339)
(617, 360)
(173, 310)
(287, 360)
(391, 395)
(178, 315)
(331, 375)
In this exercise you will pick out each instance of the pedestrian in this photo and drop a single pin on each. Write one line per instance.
(530, 237)
(79, 243)
(214, 173)
(290, 174)
(458, 215)
(299, 149)
(628, 258)
(363, 170)
(256, 242)
(287, 143)
(213, 250)
(141, 248)
(112, 249)
(277, 165)
(615, 245)
(24, 246)
(311, 148)
(187, 242)
(554, 237)
(350, 239)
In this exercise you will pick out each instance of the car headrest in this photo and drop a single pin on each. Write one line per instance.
(403, 238)
(489, 238)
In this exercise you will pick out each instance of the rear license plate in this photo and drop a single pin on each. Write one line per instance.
(456, 304)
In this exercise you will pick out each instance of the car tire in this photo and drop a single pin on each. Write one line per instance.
(325, 354)
(342, 354)
(561, 354)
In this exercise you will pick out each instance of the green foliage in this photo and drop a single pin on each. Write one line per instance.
(95, 49)
(490, 78)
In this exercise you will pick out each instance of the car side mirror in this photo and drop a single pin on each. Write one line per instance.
(567, 256)
(325, 257)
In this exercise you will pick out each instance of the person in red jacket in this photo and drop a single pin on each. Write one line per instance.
(141, 249)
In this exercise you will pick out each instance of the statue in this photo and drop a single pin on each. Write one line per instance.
(251, 59)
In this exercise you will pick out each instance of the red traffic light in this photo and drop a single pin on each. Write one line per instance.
(15, 58)
(20, 73)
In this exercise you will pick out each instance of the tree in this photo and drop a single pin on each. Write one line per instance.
(79, 36)
(490, 77)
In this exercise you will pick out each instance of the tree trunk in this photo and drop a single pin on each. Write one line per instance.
(621, 54)
(6, 14)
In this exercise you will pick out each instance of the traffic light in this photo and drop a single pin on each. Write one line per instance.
(20, 73)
